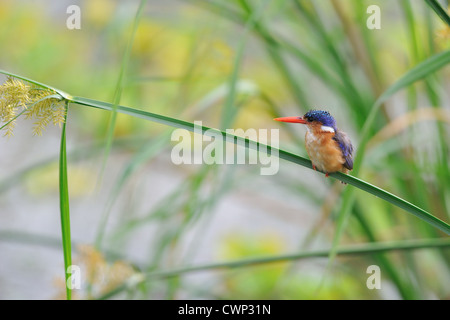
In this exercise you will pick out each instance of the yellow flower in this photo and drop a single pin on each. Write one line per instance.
(18, 98)
(14, 96)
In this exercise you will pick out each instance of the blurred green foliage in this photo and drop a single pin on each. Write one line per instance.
(299, 55)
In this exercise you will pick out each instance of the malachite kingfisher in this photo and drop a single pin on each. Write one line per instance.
(329, 148)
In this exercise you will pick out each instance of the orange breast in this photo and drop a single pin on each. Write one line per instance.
(323, 151)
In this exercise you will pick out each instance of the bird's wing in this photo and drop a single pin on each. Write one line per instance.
(346, 146)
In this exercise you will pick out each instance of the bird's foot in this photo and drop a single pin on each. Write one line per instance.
(314, 167)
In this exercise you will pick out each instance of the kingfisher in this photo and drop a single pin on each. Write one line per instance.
(329, 148)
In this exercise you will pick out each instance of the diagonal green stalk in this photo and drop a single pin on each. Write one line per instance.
(360, 249)
(439, 11)
(422, 70)
(276, 46)
(120, 85)
(230, 110)
(431, 64)
(419, 72)
(64, 206)
(146, 152)
(274, 50)
(360, 184)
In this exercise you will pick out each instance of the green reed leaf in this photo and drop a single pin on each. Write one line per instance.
(360, 184)
(423, 69)
(64, 207)
(360, 249)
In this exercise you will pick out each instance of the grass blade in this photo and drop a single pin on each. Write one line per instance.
(147, 152)
(64, 207)
(423, 69)
(439, 11)
(120, 85)
(230, 110)
(367, 248)
(419, 72)
(360, 184)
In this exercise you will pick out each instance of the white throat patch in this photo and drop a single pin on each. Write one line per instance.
(327, 129)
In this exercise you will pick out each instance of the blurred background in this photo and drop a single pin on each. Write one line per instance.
(134, 210)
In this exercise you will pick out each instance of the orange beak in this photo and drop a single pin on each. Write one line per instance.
(291, 119)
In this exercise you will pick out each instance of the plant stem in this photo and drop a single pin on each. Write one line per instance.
(368, 248)
(64, 206)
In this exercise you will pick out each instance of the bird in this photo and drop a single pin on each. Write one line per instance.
(329, 148)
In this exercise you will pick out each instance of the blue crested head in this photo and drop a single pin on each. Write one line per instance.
(324, 117)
